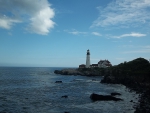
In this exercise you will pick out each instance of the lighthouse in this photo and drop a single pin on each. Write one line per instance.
(88, 59)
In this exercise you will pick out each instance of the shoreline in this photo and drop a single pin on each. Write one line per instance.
(81, 71)
(140, 88)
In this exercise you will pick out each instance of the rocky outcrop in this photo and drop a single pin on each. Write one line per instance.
(142, 88)
(68, 72)
(58, 81)
(108, 79)
(64, 96)
(127, 81)
(115, 93)
(97, 97)
(83, 72)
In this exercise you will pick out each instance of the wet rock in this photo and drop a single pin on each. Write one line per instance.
(58, 82)
(143, 89)
(97, 97)
(115, 93)
(108, 79)
(65, 96)
(57, 72)
(68, 72)
(83, 72)
(131, 101)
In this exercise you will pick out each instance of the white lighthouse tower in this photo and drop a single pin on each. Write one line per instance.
(88, 59)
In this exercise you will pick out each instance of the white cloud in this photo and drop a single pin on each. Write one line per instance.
(75, 32)
(41, 23)
(96, 34)
(123, 12)
(133, 34)
(6, 23)
(37, 14)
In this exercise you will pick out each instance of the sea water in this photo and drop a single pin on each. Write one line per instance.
(33, 90)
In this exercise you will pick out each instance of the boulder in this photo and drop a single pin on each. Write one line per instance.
(65, 96)
(131, 101)
(108, 79)
(58, 82)
(115, 93)
(57, 72)
(97, 97)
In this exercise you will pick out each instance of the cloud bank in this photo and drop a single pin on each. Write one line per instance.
(123, 12)
(133, 34)
(37, 14)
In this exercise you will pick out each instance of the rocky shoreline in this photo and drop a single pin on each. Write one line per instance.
(141, 88)
(78, 71)
(134, 74)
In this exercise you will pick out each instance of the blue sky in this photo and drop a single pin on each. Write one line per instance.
(57, 33)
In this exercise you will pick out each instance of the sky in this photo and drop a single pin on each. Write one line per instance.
(58, 33)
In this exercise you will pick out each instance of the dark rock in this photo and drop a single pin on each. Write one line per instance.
(141, 88)
(58, 82)
(131, 101)
(115, 93)
(57, 72)
(108, 79)
(83, 72)
(68, 72)
(96, 97)
(65, 96)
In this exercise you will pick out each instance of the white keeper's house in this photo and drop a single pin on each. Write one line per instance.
(100, 64)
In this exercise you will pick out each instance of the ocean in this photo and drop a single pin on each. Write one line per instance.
(33, 90)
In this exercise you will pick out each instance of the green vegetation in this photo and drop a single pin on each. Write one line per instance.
(134, 75)
(96, 71)
(138, 69)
